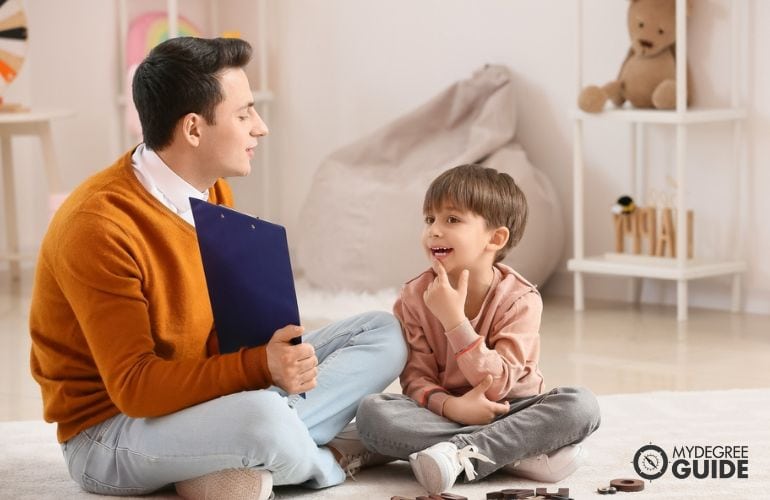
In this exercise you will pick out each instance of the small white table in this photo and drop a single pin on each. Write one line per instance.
(34, 122)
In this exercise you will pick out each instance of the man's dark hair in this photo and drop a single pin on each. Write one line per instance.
(486, 192)
(180, 76)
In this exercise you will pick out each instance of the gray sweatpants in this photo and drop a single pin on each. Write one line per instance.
(395, 425)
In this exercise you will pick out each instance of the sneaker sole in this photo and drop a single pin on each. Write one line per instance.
(216, 488)
(558, 475)
(571, 467)
(421, 465)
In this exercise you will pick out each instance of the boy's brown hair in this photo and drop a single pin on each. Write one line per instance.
(486, 192)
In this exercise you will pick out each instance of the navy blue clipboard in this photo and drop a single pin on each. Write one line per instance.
(248, 275)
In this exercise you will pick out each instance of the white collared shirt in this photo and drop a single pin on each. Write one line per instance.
(164, 184)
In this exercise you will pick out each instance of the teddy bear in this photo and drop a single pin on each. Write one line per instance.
(647, 77)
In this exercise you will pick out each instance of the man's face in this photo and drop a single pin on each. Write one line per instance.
(228, 145)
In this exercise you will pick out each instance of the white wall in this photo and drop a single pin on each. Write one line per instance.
(342, 68)
(68, 65)
(346, 67)
(73, 62)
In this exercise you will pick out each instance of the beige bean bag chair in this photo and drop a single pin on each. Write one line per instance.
(361, 222)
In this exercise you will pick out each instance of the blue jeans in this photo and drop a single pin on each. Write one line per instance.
(262, 429)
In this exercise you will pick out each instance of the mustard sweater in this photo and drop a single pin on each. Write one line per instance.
(120, 316)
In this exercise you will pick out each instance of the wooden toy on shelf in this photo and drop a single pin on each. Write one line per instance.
(652, 225)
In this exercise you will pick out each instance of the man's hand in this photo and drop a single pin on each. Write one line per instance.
(293, 367)
(446, 303)
(473, 407)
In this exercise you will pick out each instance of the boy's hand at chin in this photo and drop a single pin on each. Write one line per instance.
(473, 407)
(443, 300)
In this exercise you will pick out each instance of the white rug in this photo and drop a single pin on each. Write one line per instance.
(31, 464)
(319, 307)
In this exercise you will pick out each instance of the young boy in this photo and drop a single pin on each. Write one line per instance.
(472, 387)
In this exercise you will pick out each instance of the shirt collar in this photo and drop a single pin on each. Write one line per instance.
(176, 190)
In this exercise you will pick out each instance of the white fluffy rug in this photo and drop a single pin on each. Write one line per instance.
(31, 465)
(318, 307)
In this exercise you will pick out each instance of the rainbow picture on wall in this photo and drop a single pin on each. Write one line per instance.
(148, 30)
(145, 32)
(13, 40)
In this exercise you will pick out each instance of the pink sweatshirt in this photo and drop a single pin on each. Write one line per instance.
(503, 340)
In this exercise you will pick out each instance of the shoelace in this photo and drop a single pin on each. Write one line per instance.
(354, 464)
(464, 456)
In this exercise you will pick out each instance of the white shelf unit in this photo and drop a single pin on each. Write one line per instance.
(263, 96)
(678, 269)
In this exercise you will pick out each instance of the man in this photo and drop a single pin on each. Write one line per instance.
(123, 340)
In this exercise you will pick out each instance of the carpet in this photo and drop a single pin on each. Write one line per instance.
(31, 464)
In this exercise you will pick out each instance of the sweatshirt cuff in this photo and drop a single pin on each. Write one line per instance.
(462, 336)
(436, 402)
(255, 366)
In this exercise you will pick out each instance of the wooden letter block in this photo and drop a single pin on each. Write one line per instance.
(648, 227)
(626, 224)
(667, 238)
(642, 225)
(619, 235)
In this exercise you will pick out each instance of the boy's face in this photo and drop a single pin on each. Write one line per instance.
(228, 145)
(458, 238)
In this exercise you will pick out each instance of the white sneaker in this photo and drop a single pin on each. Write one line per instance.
(436, 468)
(549, 468)
(354, 455)
(247, 484)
